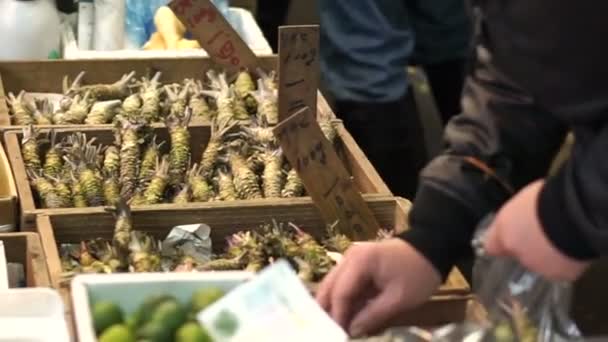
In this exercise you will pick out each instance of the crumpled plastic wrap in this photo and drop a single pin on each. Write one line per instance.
(521, 306)
(192, 240)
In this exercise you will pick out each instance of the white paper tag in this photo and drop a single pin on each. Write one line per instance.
(274, 306)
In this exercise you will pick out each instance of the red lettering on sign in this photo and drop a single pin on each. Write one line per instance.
(227, 50)
(181, 6)
(204, 13)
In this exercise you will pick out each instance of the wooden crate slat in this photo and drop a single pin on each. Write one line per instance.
(26, 196)
(362, 170)
(26, 249)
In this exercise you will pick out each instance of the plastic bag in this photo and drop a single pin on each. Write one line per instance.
(139, 15)
(521, 306)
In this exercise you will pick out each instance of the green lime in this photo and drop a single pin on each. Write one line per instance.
(147, 308)
(192, 332)
(202, 298)
(106, 314)
(169, 313)
(117, 333)
(131, 321)
(154, 332)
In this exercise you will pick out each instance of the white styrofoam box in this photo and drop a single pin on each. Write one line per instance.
(130, 290)
(33, 315)
(242, 20)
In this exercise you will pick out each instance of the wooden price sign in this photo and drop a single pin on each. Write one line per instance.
(324, 175)
(214, 33)
(298, 69)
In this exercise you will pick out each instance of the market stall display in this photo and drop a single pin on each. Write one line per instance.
(269, 180)
(181, 166)
(131, 250)
(138, 166)
(67, 228)
(248, 97)
(116, 80)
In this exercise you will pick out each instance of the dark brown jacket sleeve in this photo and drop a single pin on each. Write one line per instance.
(500, 143)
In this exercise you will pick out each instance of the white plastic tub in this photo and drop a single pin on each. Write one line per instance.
(130, 290)
(242, 20)
(32, 315)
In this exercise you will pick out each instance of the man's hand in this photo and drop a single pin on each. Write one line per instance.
(517, 232)
(374, 283)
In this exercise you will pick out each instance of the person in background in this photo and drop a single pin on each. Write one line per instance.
(365, 48)
(529, 84)
(270, 15)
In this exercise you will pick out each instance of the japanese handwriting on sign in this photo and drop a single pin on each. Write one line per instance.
(315, 154)
(349, 213)
(324, 175)
(299, 41)
(298, 69)
(292, 129)
(295, 105)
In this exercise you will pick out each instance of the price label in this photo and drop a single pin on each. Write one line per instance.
(324, 175)
(214, 33)
(298, 69)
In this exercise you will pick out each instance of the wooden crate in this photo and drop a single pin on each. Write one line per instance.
(47, 76)
(8, 192)
(365, 176)
(26, 249)
(448, 305)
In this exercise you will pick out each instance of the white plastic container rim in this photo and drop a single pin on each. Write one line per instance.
(33, 314)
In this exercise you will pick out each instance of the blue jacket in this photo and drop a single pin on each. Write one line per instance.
(366, 44)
